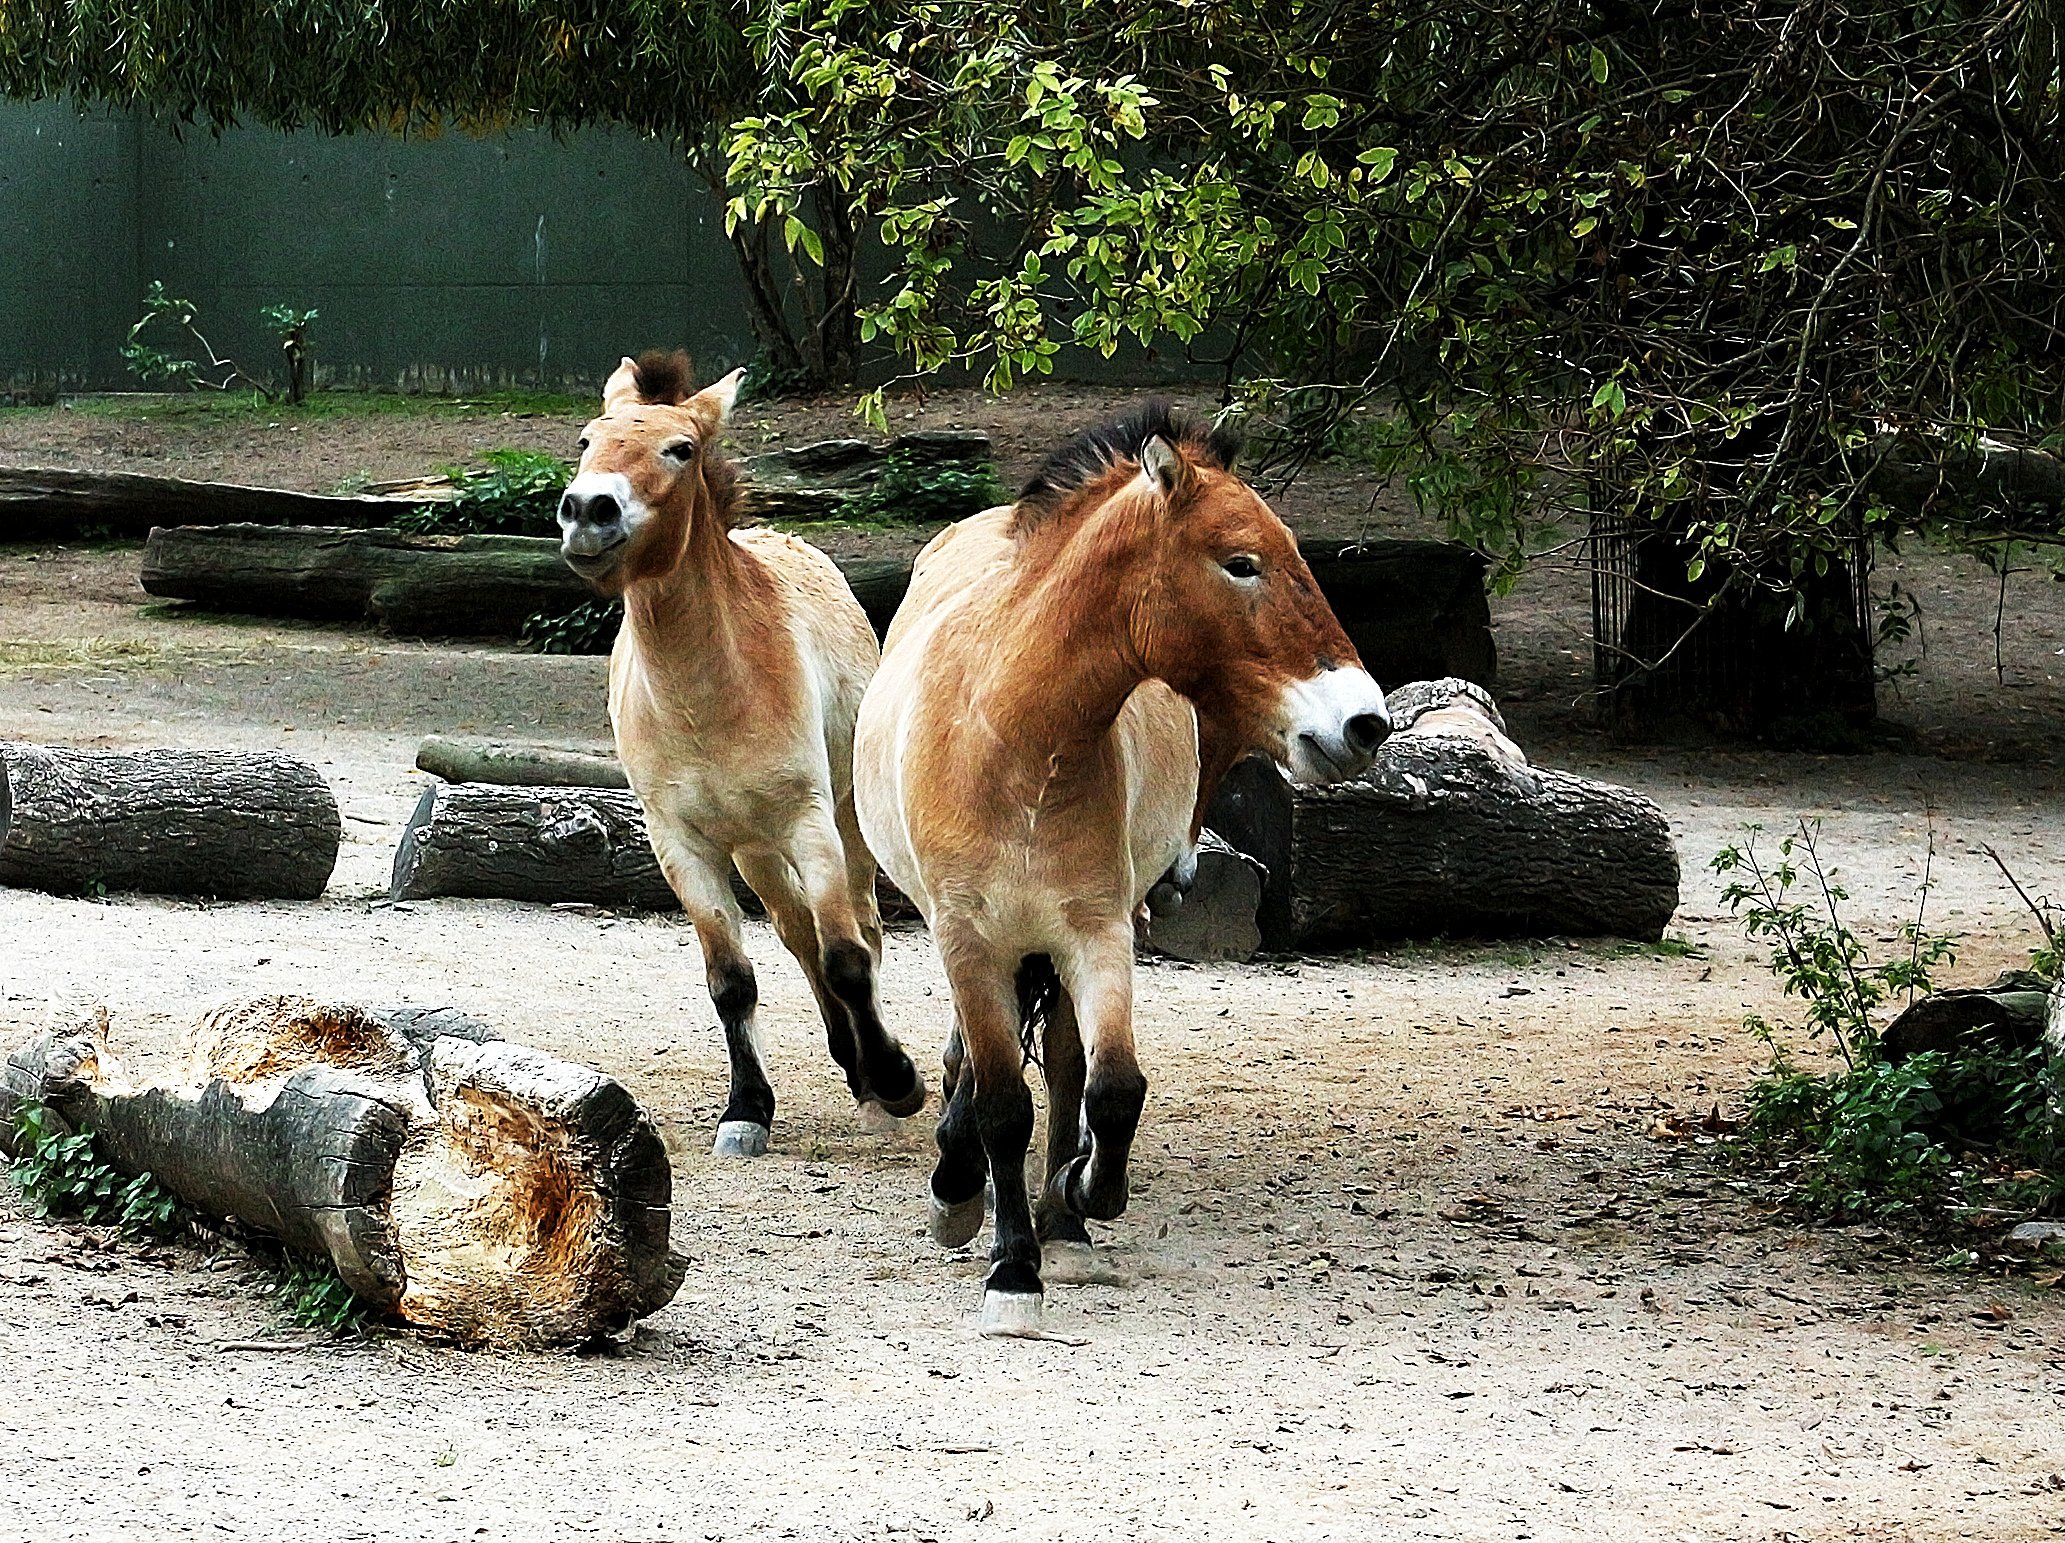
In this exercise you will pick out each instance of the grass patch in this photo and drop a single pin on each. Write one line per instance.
(517, 495)
(244, 407)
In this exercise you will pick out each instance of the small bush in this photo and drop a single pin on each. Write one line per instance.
(917, 490)
(589, 628)
(1940, 1138)
(313, 1296)
(60, 1172)
(518, 495)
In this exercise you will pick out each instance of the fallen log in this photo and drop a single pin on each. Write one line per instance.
(480, 1189)
(534, 766)
(2005, 1016)
(234, 824)
(412, 585)
(564, 845)
(1450, 833)
(556, 845)
(458, 586)
(1216, 918)
(44, 504)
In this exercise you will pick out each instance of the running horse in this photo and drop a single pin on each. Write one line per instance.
(732, 689)
(1064, 685)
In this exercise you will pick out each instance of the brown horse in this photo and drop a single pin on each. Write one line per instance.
(1064, 679)
(733, 688)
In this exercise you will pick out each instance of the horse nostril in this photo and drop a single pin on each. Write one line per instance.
(1366, 731)
(589, 508)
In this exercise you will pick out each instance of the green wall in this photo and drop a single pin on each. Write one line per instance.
(441, 264)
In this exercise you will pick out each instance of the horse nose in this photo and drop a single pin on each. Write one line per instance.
(589, 508)
(1365, 731)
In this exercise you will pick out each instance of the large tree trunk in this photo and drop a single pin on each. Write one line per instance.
(1415, 610)
(1450, 833)
(242, 825)
(47, 505)
(470, 1186)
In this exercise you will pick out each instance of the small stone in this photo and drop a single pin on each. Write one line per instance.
(2036, 1236)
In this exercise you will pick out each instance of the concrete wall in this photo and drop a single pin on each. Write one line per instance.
(446, 264)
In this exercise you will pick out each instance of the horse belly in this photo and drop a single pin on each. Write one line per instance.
(1157, 737)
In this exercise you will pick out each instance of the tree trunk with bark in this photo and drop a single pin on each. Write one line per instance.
(473, 1187)
(1450, 833)
(38, 504)
(240, 825)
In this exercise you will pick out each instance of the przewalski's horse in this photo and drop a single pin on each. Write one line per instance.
(1028, 762)
(733, 688)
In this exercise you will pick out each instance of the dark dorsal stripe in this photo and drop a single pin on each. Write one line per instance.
(1093, 452)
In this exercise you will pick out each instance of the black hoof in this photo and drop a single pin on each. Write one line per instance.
(902, 1092)
(1084, 1200)
(1057, 1226)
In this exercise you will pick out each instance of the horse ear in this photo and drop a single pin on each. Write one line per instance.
(714, 400)
(1164, 467)
(621, 389)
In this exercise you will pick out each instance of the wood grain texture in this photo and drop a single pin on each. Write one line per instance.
(235, 824)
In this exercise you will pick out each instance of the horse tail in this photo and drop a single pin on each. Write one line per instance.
(1039, 990)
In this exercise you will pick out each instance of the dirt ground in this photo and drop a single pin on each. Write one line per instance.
(1413, 1253)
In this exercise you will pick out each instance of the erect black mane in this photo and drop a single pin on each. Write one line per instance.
(662, 377)
(1093, 452)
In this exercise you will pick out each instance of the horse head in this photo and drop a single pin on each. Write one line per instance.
(1221, 605)
(647, 473)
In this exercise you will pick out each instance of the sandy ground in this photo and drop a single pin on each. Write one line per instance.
(1409, 1255)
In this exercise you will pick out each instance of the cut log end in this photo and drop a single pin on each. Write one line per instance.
(486, 1191)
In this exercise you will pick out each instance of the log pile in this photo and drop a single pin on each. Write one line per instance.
(235, 824)
(476, 1188)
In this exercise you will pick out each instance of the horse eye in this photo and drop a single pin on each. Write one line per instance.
(1242, 566)
(679, 450)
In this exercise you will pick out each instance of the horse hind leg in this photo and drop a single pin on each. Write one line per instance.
(1094, 1184)
(847, 961)
(1066, 1252)
(1061, 1058)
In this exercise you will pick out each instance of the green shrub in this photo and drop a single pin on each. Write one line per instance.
(518, 495)
(920, 490)
(60, 1172)
(589, 628)
(314, 1296)
(1938, 1139)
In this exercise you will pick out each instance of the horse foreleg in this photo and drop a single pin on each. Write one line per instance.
(699, 879)
(774, 881)
(847, 961)
(1100, 978)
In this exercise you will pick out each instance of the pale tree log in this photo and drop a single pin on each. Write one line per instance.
(481, 1189)
(457, 759)
(236, 824)
(560, 845)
